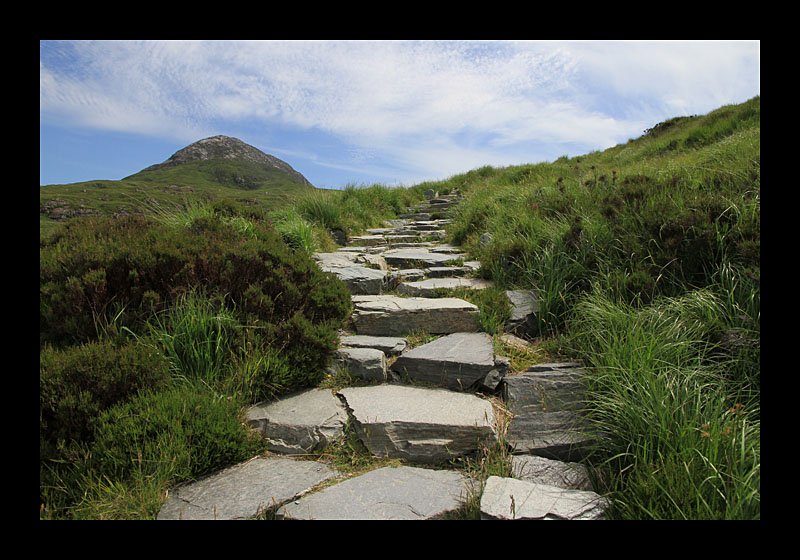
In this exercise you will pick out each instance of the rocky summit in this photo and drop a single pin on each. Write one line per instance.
(425, 406)
(225, 147)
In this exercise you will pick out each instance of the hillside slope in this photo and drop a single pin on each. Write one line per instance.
(216, 168)
(649, 217)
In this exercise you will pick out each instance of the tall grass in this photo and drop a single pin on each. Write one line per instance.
(197, 337)
(355, 208)
(682, 441)
(296, 231)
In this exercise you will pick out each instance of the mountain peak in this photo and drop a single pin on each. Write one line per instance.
(226, 147)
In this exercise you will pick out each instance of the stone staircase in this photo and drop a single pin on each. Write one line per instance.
(424, 405)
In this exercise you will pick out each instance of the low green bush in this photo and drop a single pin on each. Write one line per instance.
(79, 383)
(178, 434)
(135, 267)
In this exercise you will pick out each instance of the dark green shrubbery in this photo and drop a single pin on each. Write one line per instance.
(178, 434)
(77, 384)
(132, 267)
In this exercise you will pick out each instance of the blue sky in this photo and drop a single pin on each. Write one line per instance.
(365, 112)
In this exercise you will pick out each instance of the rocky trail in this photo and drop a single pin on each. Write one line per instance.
(424, 405)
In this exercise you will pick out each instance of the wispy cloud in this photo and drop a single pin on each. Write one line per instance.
(430, 107)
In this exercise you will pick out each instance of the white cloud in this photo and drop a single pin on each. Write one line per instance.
(419, 104)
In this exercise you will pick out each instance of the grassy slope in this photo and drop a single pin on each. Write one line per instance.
(169, 187)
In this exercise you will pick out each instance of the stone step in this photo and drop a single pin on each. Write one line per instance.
(444, 248)
(300, 423)
(458, 361)
(419, 424)
(363, 363)
(367, 240)
(394, 239)
(446, 272)
(245, 490)
(510, 498)
(402, 493)
(359, 278)
(419, 257)
(390, 345)
(416, 216)
(547, 403)
(389, 315)
(426, 288)
(570, 476)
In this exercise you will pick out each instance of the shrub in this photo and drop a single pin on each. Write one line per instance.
(296, 232)
(95, 265)
(258, 371)
(77, 384)
(178, 434)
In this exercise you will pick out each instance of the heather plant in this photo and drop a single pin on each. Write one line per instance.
(76, 384)
(181, 433)
(171, 304)
(145, 446)
(145, 267)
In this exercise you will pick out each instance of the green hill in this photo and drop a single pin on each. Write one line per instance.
(216, 168)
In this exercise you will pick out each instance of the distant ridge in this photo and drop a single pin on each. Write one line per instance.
(226, 147)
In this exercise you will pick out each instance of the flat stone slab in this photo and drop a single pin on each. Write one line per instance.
(426, 288)
(524, 309)
(412, 257)
(359, 279)
(365, 363)
(393, 239)
(245, 490)
(389, 345)
(367, 240)
(402, 493)
(426, 225)
(547, 401)
(388, 315)
(455, 361)
(448, 249)
(419, 424)
(299, 423)
(509, 498)
(570, 476)
(446, 271)
(410, 274)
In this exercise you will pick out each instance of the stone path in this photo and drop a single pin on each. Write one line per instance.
(424, 405)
